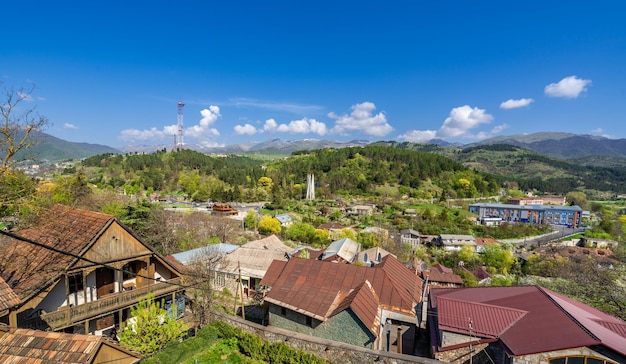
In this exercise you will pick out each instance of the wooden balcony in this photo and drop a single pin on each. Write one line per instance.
(65, 316)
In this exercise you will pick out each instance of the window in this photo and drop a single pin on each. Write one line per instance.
(75, 282)
(309, 321)
(365, 258)
(283, 311)
(220, 279)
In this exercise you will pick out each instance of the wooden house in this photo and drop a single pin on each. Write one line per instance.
(80, 271)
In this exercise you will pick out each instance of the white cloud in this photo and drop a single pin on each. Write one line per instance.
(418, 136)
(69, 126)
(202, 132)
(23, 96)
(245, 129)
(461, 120)
(514, 104)
(597, 131)
(362, 119)
(459, 125)
(270, 125)
(569, 87)
(499, 128)
(132, 135)
(276, 106)
(302, 126)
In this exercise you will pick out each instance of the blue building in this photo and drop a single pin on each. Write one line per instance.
(536, 214)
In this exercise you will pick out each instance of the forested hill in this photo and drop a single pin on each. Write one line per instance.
(351, 171)
(532, 170)
(362, 169)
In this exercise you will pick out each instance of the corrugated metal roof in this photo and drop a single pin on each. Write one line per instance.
(189, 256)
(484, 320)
(541, 329)
(312, 287)
(271, 242)
(345, 248)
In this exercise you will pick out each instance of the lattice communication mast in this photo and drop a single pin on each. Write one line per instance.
(179, 132)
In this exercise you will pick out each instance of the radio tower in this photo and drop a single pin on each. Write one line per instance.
(179, 132)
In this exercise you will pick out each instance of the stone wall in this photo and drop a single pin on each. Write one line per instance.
(332, 351)
(344, 326)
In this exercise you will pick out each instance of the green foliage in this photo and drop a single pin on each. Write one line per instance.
(300, 231)
(250, 220)
(152, 328)
(350, 170)
(468, 278)
(269, 225)
(498, 257)
(16, 192)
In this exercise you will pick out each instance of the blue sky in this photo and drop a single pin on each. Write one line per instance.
(113, 72)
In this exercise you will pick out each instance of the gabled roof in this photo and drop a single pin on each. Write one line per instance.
(8, 298)
(189, 256)
(271, 242)
(37, 257)
(321, 289)
(526, 319)
(255, 257)
(345, 248)
(435, 276)
(31, 267)
(283, 218)
(39, 347)
(372, 254)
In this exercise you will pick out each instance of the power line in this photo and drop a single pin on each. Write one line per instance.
(105, 265)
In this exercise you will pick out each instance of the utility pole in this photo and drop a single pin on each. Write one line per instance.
(243, 309)
(470, 334)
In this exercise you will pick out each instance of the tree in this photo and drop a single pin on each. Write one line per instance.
(151, 328)
(498, 257)
(269, 225)
(200, 282)
(17, 125)
(16, 191)
(250, 220)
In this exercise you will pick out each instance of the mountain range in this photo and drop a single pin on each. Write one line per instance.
(583, 149)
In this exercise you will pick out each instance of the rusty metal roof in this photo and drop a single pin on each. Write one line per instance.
(29, 267)
(41, 347)
(526, 319)
(321, 289)
(435, 276)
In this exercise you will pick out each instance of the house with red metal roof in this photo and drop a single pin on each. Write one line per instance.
(343, 302)
(524, 324)
(79, 271)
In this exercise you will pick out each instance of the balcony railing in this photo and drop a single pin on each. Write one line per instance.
(68, 316)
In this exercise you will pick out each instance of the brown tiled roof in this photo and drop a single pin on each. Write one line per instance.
(41, 347)
(497, 312)
(8, 298)
(30, 267)
(319, 289)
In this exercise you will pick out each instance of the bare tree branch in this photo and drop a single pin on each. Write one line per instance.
(17, 124)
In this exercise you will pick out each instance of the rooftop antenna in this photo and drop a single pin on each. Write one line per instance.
(179, 132)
